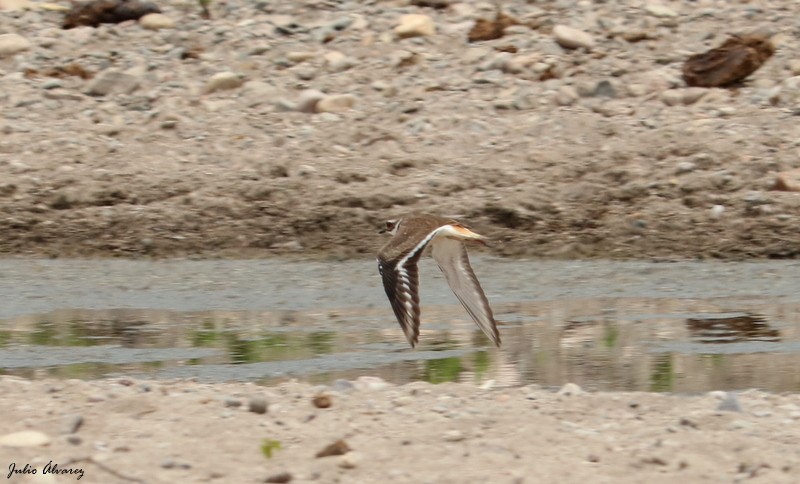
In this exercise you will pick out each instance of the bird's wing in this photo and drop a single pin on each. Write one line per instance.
(451, 256)
(401, 282)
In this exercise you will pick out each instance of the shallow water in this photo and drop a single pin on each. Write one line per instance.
(681, 327)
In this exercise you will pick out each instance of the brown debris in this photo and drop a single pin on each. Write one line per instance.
(339, 447)
(731, 62)
(60, 72)
(511, 49)
(491, 29)
(322, 401)
(96, 12)
(437, 4)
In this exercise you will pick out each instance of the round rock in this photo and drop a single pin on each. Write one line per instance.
(223, 81)
(415, 25)
(571, 38)
(11, 44)
(156, 21)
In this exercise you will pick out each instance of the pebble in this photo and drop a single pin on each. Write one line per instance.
(717, 211)
(349, 461)
(280, 478)
(232, 403)
(112, 81)
(660, 11)
(308, 100)
(339, 447)
(672, 97)
(567, 96)
(170, 463)
(684, 167)
(71, 424)
(297, 57)
(335, 103)
(322, 401)
(24, 438)
(11, 44)
(338, 62)
(403, 401)
(571, 38)
(156, 21)
(414, 25)
(257, 405)
(453, 436)
(571, 389)
(223, 81)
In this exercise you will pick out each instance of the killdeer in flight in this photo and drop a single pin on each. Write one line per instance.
(397, 264)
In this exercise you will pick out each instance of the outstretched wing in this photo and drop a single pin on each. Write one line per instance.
(401, 282)
(451, 256)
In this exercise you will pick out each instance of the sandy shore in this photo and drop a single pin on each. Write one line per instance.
(120, 431)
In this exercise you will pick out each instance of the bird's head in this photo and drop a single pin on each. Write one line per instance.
(390, 227)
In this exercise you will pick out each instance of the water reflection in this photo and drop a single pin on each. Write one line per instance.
(670, 345)
(732, 328)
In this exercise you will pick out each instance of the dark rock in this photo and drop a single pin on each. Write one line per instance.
(281, 478)
(257, 405)
(96, 12)
(731, 62)
(322, 401)
(339, 447)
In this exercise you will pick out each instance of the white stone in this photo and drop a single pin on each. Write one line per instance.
(685, 167)
(223, 81)
(338, 62)
(660, 11)
(156, 21)
(571, 38)
(24, 438)
(415, 25)
(672, 97)
(11, 44)
(308, 100)
(350, 460)
(693, 94)
(453, 436)
(570, 389)
(336, 103)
